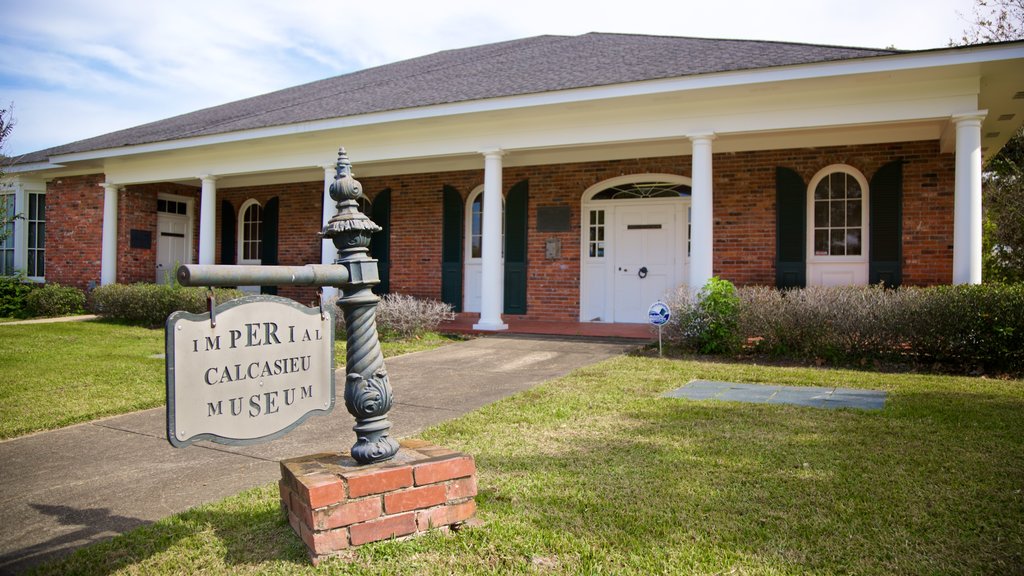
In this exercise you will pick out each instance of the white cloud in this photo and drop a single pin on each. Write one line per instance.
(79, 69)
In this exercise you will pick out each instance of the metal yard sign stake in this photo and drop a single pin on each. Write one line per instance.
(256, 367)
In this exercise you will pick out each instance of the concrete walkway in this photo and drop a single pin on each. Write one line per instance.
(71, 487)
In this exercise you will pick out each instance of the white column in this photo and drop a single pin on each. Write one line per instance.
(701, 213)
(208, 220)
(492, 286)
(108, 262)
(967, 199)
(328, 252)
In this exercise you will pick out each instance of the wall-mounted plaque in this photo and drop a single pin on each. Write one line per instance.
(140, 239)
(554, 219)
(250, 372)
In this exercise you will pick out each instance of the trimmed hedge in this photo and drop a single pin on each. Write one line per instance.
(952, 328)
(54, 300)
(150, 304)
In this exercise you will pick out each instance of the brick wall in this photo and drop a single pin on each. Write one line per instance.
(301, 207)
(136, 208)
(744, 218)
(74, 230)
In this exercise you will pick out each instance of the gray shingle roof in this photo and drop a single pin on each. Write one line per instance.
(526, 66)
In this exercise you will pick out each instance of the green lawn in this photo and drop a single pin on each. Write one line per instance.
(56, 374)
(596, 474)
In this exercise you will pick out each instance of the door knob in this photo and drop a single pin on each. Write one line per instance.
(642, 272)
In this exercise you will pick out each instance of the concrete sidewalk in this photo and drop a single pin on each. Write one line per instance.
(71, 487)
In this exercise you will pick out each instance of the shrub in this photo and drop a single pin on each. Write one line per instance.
(55, 300)
(13, 291)
(968, 327)
(707, 323)
(150, 304)
(957, 327)
(832, 323)
(402, 316)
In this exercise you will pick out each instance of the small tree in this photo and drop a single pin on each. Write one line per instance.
(6, 217)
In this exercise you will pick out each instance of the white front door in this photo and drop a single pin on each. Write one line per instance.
(644, 259)
(171, 245)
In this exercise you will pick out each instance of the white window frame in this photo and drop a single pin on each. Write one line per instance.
(865, 203)
(19, 192)
(468, 246)
(241, 232)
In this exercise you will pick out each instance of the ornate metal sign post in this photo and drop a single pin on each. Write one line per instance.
(232, 364)
(367, 390)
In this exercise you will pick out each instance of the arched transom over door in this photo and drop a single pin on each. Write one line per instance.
(635, 239)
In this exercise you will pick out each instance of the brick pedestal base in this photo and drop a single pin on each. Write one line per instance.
(333, 503)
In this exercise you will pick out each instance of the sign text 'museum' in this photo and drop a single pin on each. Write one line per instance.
(260, 371)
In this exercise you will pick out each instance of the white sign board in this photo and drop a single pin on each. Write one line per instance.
(658, 314)
(264, 367)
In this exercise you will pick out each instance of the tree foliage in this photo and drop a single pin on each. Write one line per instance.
(6, 218)
(1003, 180)
(994, 21)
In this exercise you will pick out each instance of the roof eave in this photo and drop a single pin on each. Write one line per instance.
(875, 64)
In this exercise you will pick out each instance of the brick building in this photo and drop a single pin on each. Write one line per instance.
(562, 178)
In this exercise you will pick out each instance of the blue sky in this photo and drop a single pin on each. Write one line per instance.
(76, 69)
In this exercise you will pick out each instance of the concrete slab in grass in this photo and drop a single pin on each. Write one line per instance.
(816, 397)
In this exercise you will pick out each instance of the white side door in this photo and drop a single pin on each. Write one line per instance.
(644, 259)
(171, 245)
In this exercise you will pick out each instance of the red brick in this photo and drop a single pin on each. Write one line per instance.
(285, 492)
(319, 490)
(445, 515)
(461, 488)
(295, 523)
(325, 542)
(444, 468)
(301, 510)
(348, 513)
(415, 498)
(378, 481)
(387, 527)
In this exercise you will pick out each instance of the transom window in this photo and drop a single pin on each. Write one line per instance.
(171, 206)
(838, 215)
(252, 230)
(643, 190)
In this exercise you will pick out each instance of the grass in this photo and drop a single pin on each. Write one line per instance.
(57, 374)
(596, 474)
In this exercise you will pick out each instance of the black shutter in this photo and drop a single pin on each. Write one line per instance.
(380, 245)
(516, 205)
(228, 232)
(269, 240)
(885, 244)
(451, 248)
(790, 229)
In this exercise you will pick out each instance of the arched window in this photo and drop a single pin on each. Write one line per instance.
(475, 225)
(250, 231)
(838, 197)
(837, 227)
